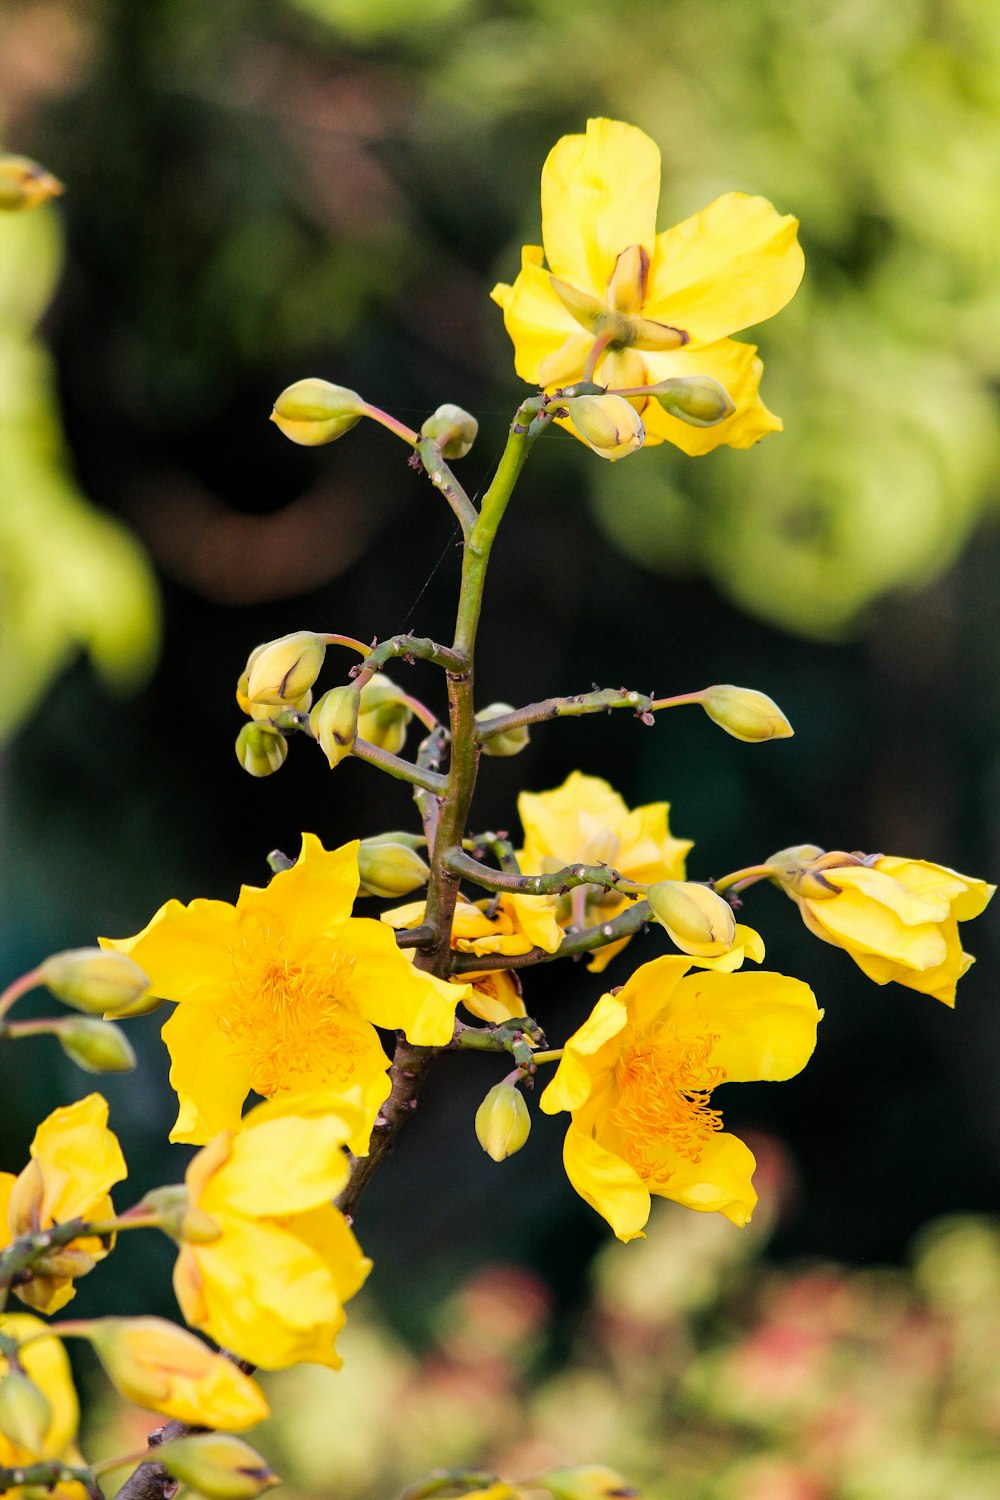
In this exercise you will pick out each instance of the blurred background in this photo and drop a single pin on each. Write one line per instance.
(262, 191)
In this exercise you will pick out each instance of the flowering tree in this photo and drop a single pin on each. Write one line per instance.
(286, 995)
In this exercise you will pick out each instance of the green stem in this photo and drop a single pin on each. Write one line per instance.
(600, 700)
(19, 987)
(412, 648)
(392, 424)
(403, 770)
(742, 878)
(558, 883)
(443, 479)
(46, 1476)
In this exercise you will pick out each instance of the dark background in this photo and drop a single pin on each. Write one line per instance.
(258, 192)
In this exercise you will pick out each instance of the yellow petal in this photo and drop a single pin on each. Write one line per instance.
(736, 367)
(384, 988)
(911, 907)
(536, 917)
(495, 997)
(328, 1233)
(283, 1166)
(859, 924)
(764, 1024)
(46, 1363)
(600, 193)
(649, 852)
(584, 1056)
(718, 1182)
(210, 1078)
(552, 820)
(185, 950)
(938, 982)
(726, 268)
(968, 897)
(264, 1294)
(79, 1159)
(607, 1183)
(7, 1181)
(538, 324)
(748, 944)
(649, 989)
(313, 897)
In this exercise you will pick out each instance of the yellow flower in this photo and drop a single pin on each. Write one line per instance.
(897, 918)
(272, 1286)
(44, 1361)
(585, 821)
(637, 1079)
(649, 306)
(75, 1160)
(282, 993)
(165, 1369)
(495, 994)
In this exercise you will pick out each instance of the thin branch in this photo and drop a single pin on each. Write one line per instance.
(443, 479)
(556, 884)
(626, 924)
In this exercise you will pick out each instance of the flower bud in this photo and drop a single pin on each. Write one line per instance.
(261, 749)
(502, 1121)
(698, 400)
(511, 741)
(696, 919)
(281, 671)
(300, 705)
(103, 983)
(25, 1411)
(95, 1046)
(312, 412)
(799, 870)
(745, 714)
(177, 1216)
(586, 1482)
(608, 424)
(390, 870)
(166, 1369)
(385, 715)
(217, 1465)
(453, 429)
(334, 722)
(24, 184)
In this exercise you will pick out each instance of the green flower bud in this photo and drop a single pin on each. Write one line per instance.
(280, 671)
(25, 185)
(511, 741)
(95, 1046)
(385, 715)
(697, 920)
(745, 714)
(334, 722)
(312, 412)
(586, 1482)
(261, 749)
(98, 982)
(390, 870)
(218, 1465)
(453, 429)
(502, 1121)
(697, 400)
(608, 424)
(25, 1411)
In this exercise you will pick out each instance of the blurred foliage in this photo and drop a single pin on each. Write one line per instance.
(693, 1367)
(70, 578)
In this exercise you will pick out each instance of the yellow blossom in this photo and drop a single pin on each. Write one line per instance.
(637, 1080)
(75, 1160)
(44, 1361)
(897, 918)
(492, 995)
(630, 307)
(282, 992)
(272, 1285)
(166, 1369)
(585, 821)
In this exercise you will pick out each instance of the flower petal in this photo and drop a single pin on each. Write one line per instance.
(283, 1166)
(600, 193)
(313, 897)
(607, 1183)
(538, 323)
(855, 922)
(185, 950)
(209, 1077)
(79, 1159)
(726, 268)
(718, 1182)
(385, 988)
(764, 1024)
(968, 897)
(581, 1060)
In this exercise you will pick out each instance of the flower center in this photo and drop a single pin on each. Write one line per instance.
(664, 1086)
(285, 1018)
